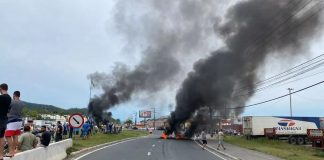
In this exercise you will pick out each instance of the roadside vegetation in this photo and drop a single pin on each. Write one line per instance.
(277, 148)
(101, 138)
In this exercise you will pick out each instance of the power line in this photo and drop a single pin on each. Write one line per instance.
(286, 71)
(305, 19)
(293, 76)
(277, 27)
(317, 73)
(301, 72)
(268, 36)
(239, 107)
(285, 32)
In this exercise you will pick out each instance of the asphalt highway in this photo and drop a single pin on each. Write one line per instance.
(153, 148)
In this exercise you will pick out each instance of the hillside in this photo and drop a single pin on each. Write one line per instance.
(50, 109)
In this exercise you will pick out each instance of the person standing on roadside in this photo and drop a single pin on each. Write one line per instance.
(14, 123)
(221, 139)
(59, 132)
(5, 101)
(204, 139)
(70, 131)
(65, 129)
(85, 130)
(45, 138)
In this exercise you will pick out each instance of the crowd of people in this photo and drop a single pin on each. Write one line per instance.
(11, 122)
(110, 127)
(15, 136)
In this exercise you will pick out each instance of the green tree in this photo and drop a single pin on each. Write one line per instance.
(33, 114)
(128, 122)
(118, 121)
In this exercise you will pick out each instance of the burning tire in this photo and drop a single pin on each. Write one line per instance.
(164, 135)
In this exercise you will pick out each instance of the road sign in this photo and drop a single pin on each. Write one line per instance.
(76, 120)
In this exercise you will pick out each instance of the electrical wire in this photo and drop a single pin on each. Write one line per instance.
(313, 85)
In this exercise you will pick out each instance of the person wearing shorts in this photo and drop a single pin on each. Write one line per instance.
(14, 123)
(204, 139)
(5, 101)
(221, 139)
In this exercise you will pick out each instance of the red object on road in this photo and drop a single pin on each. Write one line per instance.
(164, 135)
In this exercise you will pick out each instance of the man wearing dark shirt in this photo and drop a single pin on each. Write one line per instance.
(5, 101)
(59, 132)
(46, 137)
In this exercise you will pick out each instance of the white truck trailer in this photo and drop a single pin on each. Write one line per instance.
(294, 128)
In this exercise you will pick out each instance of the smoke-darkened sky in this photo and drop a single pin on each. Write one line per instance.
(47, 50)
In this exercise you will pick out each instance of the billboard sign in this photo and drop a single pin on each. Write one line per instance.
(145, 114)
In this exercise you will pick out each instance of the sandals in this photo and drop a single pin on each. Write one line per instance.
(7, 155)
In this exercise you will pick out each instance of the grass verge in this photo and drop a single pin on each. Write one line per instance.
(100, 138)
(277, 148)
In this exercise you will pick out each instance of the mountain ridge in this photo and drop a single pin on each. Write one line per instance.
(51, 109)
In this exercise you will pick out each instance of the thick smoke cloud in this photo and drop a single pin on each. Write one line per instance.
(169, 32)
(252, 30)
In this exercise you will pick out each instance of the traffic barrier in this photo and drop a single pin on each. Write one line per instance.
(55, 151)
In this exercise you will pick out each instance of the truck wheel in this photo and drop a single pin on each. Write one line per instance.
(300, 140)
(292, 140)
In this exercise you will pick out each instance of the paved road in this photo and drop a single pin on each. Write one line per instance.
(153, 148)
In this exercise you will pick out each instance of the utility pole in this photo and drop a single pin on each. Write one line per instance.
(290, 89)
(135, 118)
(154, 118)
(145, 123)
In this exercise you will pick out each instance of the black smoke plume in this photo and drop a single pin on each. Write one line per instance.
(169, 31)
(252, 31)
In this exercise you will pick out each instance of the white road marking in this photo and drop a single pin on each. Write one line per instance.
(211, 152)
(148, 153)
(153, 145)
(78, 158)
(228, 155)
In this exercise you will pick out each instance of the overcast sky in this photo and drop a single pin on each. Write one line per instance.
(47, 49)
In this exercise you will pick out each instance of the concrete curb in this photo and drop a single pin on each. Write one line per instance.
(55, 151)
(220, 152)
(85, 150)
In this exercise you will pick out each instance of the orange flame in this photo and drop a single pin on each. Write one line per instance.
(164, 136)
